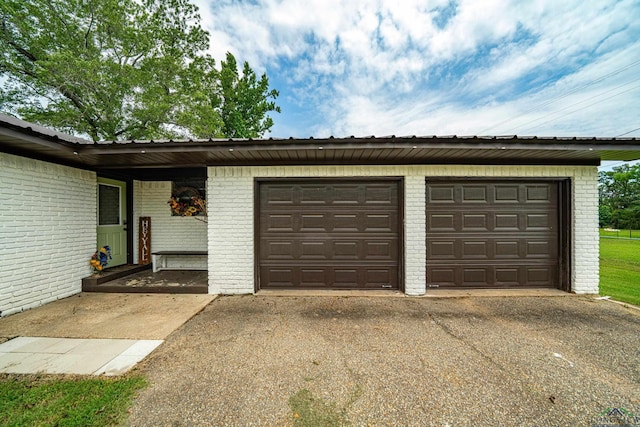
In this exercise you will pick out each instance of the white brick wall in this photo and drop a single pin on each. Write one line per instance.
(415, 250)
(167, 232)
(585, 274)
(231, 232)
(47, 231)
(231, 251)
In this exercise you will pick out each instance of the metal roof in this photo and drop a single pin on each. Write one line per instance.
(26, 139)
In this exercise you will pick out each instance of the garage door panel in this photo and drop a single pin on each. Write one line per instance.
(331, 235)
(313, 222)
(475, 249)
(538, 194)
(277, 249)
(542, 276)
(380, 277)
(317, 221)
(442, 276)
(346, 277)
(441, 249)
(475, 276)
(508, 276)
(313, 250)
(473, 221)
(440, 193)
(490, 220)
(337, 277)
(313, 277)
(346, 222)
(539, 221)
(492, 234)
(380, 195)
(278, 223)
(474, 194)
(304, 248)
(339, 194)
(506, 193)
(346, 195)
(540, 249)
(345, 250)
(279, 277)
(381, 222)
(278, 196)
(487, 276)
(507, 221)
(441, 221)
(505, 249)
(385, 250)
(312, 194)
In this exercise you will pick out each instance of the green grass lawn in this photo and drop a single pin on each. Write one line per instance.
(620, 269)
(58, 401)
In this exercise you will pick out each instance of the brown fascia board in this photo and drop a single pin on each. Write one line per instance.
(24, 128)
(568, 144)
(52, 142)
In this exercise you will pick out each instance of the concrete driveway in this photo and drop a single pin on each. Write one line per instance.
(278, 361)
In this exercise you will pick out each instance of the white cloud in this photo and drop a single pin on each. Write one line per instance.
(423, 67)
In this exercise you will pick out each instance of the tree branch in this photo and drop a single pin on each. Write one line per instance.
(86, 34)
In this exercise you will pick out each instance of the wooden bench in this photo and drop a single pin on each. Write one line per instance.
(159, 259)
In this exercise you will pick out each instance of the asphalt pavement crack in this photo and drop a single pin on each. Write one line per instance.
(467, 343)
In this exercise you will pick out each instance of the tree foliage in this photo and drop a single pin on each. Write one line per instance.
(244, 100)
(114, 69)
(619, 192)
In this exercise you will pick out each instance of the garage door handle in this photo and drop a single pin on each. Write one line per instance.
(386, 286)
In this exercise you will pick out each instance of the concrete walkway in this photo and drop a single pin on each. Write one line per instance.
(99, 334)
(33, 355)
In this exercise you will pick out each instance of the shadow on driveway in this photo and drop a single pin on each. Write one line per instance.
(276, 361)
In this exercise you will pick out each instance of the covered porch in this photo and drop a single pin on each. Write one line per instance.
(133, 278)
(153, 242)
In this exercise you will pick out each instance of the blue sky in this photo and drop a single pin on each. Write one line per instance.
(439, 67)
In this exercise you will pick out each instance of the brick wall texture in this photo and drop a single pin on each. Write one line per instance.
(47, 231)
(231, 222)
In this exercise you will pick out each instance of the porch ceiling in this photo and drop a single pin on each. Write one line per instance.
(25, 139)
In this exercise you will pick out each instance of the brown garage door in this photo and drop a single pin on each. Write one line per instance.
(500, 234)
(329, 234)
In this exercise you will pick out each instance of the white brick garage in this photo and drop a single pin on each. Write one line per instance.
(231, 241)
(233, 166)
(47, 231)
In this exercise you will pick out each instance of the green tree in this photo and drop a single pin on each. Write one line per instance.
(110, 69)
(244, 101)
(619, 193)
(627, 218)
(604, 216)
(620, 187)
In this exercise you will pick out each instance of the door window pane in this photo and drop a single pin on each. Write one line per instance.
(108, 205)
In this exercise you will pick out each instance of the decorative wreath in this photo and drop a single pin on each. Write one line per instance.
(187, 201)
(100, 258)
